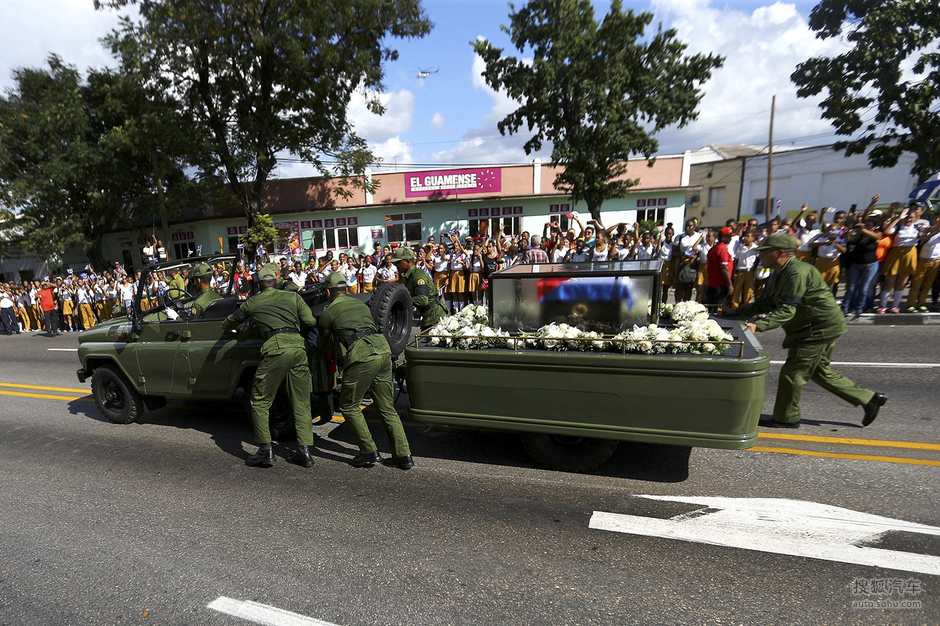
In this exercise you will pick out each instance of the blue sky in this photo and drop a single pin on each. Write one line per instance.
(450, 117)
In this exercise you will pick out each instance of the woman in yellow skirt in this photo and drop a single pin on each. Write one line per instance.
(829, 247)
(901, 261)
(68, 306)
(440, 261)
(701, 280)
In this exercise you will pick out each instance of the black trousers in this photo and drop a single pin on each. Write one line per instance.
(52, 323)
(715, 295)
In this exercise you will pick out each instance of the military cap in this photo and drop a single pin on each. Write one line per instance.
(201, 269)
(780, 241)
(404, 253)
(335, 280)
(268, 272)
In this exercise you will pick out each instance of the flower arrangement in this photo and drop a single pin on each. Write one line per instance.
(694, 333)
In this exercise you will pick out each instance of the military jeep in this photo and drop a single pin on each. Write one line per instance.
(164, 349)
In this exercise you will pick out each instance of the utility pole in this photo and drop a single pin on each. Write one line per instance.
(770, 155)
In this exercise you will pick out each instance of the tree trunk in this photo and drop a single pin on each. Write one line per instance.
(594, 206)
(161, 199)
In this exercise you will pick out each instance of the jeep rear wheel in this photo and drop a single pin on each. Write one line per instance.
(567, 453)
(114, 396)
(280, 416)
(393, 312)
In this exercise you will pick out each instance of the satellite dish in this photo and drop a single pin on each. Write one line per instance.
(425, 73)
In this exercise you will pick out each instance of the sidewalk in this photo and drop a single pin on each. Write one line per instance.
(894, 319)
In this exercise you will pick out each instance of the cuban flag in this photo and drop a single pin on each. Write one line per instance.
(586, 288)
(241, 246)
(259, 252)
(927, 190)
(84, 276)
(88, 267)
(71, 272)
(189, 251)
(199, 250)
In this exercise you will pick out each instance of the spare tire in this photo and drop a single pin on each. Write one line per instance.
(393, 312)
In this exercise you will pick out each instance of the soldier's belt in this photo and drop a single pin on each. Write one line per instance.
(349, 341)
(281, 331)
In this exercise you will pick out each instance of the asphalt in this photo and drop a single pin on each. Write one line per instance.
(150, 522)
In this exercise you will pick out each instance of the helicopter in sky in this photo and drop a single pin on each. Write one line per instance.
(425, 73)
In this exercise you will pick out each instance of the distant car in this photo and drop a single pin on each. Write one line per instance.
(167, 350)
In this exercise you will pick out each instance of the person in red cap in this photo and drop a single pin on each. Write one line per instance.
(719, 266)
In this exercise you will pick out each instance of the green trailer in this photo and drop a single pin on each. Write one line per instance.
(574, 407)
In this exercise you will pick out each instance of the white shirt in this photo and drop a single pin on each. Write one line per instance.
(458, 261)
(440, 262)
(6, 302)
(351, 274)
(665, 251)
(931, 249)
(84, 296)
(829, 251)
(805, 236)
(624, 254)
(733, 245)
(148, 252)
(703, 253)
(597, 255)
(558, 254)
(645, 252)
(687, 242)
(905, 236)
(127, 292)
(389, 274)
(747, 257)
(368, 273)
(298, 278)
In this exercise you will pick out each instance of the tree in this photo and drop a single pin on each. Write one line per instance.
(866, 86)
(66, 163)
(598, 92)
(256, 78)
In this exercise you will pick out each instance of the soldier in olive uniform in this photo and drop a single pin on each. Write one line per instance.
(802, 304)
(421, 287)
(203, 275)
(176, 286)
(279, 315)
(368, 367)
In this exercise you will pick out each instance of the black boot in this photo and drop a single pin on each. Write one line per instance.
(264, 457)
(366, 459)
(871, 409)
(303, 457)
(401, 462)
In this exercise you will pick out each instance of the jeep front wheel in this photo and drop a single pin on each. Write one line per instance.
(114, 396)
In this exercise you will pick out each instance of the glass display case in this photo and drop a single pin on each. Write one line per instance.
(602, 296)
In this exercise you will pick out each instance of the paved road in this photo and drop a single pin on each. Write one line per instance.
(152, 522)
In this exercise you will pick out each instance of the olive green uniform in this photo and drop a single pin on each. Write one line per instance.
(424, 295)
(368, 367)
(176, 287)
(204, 299)
(802, 304)
(279, 315)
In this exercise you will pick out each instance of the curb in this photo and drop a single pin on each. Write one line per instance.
(894, 319)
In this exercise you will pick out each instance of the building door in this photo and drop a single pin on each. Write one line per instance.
(128, 262)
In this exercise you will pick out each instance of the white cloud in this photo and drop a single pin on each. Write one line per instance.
(399, 107)
(762, 49)
(30, 32)
(437, 121)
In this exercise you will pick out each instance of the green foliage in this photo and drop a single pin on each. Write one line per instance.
(867, 90)
(257, 78)
(260, 233)
(66, 163)
(597, 91)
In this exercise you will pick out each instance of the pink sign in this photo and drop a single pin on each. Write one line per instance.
(453, 182)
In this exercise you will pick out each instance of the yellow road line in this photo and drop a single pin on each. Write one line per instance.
(881, 443)
(44, 396)
(45, 388)
(857, 457)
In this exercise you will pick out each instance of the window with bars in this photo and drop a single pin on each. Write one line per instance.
(655, 215)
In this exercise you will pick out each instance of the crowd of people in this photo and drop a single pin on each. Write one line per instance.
(874, 255)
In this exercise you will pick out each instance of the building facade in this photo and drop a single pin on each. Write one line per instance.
(409, 207)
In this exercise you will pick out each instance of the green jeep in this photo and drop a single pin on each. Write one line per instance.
(164, 349)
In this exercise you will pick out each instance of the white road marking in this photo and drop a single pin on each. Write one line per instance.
(909, 366)
(262, 613)
(791, 527)
(62, 349)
